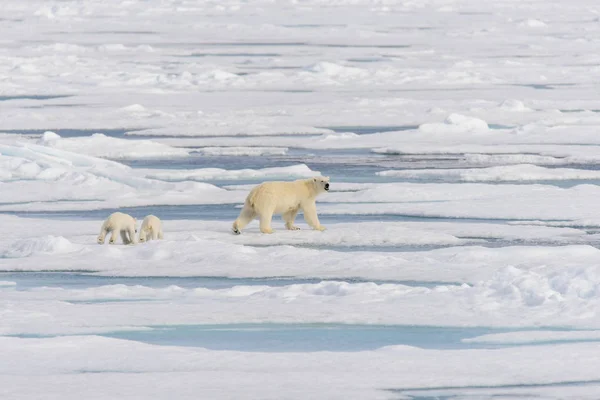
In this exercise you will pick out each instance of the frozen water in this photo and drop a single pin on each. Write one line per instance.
(461, 257)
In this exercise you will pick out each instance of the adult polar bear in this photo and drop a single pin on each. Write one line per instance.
(286, 198)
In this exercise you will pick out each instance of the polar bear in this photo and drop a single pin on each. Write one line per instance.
(286, 198)
(151, 228)
(119, 223)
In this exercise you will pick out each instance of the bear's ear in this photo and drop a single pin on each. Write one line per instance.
(314, 179)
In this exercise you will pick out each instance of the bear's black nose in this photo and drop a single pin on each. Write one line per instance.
(327, 186)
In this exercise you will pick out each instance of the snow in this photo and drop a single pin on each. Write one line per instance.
(99, 145)
(56, 363)
(462, 143)
(455, 123)
(44, 178)
(300, 171)
(40, 246)
(513, 173)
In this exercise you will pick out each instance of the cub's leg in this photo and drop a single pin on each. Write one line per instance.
(124, 237)
(113, 237)
(132, 239)
(102, 235)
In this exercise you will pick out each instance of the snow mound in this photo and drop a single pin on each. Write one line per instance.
(456, 123)
(519, 287)
(35, 177)
(100, 145)
(203, 174)
(333, 70)
(514, 105)
(46, 245)
(533, 23)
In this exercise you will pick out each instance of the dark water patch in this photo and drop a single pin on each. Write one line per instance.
(366, 60)
(208, 212)
(485, 391)
(234, 55)
(314, 25)
(273, 337)
(561, 183)
(304, 44)
(26, 280)
(270, 67)
(34, 97)
(55, 106)
(117, 33)
(363, 130)
(229, 212)
(544, 86)
(199, 160)
(364, 46)
(249, 44)
(500, 126)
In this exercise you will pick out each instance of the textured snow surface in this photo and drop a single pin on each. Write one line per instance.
(461, 257)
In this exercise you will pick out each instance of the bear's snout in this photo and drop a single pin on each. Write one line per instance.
(327, 186)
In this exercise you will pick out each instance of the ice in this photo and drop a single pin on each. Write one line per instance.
(462, 143)
(300, 171)
(125, 368)
(242, 151)
(43, 178)
(513, 173)
(99, 145)
(47, 245)
(502, 201)
(456, 123)
(535, 337)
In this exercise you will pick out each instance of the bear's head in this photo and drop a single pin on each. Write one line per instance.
(321, 183)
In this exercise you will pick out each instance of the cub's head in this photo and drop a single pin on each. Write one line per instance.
(321, 183)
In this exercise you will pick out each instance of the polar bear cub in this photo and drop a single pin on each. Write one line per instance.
(151, 229)
(119, 223)
(286, 198)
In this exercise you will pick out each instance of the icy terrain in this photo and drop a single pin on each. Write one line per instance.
(462, 252)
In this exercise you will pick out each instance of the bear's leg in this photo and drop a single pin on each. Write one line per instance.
(124, 237)
(102, 235)
(265, 221)
(154, 234)
(113, 237)
(310, 216)
(132, 239)
(160, 234)
(289, 217)
(246, 216)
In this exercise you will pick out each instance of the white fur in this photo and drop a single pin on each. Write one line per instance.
(151, 229)
(286, 198)
(119, 223)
